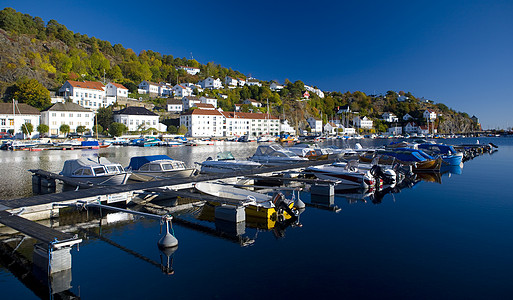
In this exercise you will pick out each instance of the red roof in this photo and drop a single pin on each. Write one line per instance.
(242, 115)
(93, 85)
(203, 112)
(119, 86)
(204, 105)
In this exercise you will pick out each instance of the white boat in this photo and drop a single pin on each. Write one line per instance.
(226, 163)
(275, 155)
(384, 172)
(256, 204)
(97, 171)
(266, 139)
(154, 167)
(348, 177)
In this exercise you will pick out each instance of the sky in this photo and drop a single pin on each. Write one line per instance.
(459, 53)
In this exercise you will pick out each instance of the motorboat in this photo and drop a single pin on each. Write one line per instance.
(347, 177)
(149, 142)
(275, 155)
(256, 204)
(417, 159)
(448, 154)
(310, 151)
(388, 174)
(225, 162)
(154, 167)
(266, 139)
(96, 171)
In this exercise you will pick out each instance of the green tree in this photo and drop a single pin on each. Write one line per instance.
(42, 129)
(27, 129)
(104, 116)
(32, 93)
(98, 129)
(81, 129)
(172, 129)
(64, 129)
(182, 130)
(117, 129)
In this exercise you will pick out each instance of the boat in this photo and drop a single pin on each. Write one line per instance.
(256, 204)
(448, 154)
(154, 167)
(149, 142)
(310, 151)
(225, 162)
(417, 159)
(97, 171)
(266, 139)
(275, 155)
(347, 177)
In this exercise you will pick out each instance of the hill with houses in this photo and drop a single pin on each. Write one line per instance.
(54, 61)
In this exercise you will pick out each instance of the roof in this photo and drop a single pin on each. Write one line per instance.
(22, 108)
(68, 106)
(93, 85)
(203, 112)
(185, 67)
(205, 105)
(174, 101)
(138, 161)
(252, 100)
(119, 86)
(191, 98)
(135, 111)
(243, 115)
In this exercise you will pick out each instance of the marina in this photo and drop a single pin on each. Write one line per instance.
(356, 222)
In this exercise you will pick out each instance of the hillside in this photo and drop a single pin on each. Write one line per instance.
(52, 54)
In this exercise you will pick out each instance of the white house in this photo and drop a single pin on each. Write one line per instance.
(230, 81)
(252, 102)
(286, 128)
(396, 130)
(14, 116)
(206, 100)
(149, 87)
(204, 106)
(315, 124)
(67, 113)
(174, 105)
(429, 114)
(116, 90)
(189, 101)
(407, 117)
(389, 117)
(182, 91)
(251, 83)
(364, 122)
(411, 127)
(241, 82)
(423, 129)
(166, 90)
(237, 107)
(253, 124)
(190, 70)
(137, 118)
(276, 86)
(316, 91)
(88, 94)
(203, 123)
(330, 128)
(210, 83)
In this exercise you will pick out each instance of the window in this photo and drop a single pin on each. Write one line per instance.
(79, 115)
(54, 114)
(99, 170)
(71, 115)
(11, 122)
(87, 172)
(78, 172)
(3, 121)
(155, 167)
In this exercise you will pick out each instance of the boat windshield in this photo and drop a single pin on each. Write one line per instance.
(225, 155)
(99, 170)
(167, 167)
(112, 169)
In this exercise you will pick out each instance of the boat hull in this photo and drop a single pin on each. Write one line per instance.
(115, 179)
(149, 176)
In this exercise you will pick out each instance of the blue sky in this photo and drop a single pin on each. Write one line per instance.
(459, 53)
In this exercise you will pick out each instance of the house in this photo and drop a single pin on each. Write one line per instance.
(306, 95)
(423, 129)
(116, 90)
(237, 107)
(166, 90)
(210, 83)
(276, 86)
(13, 118)
(230, 82)
(206, 100)
(315, 124)
(253, 124)
(251, 83)
(203, 122)
(241, 82)
(343, 109)
(402, 98)
(252, 102)
(189, 101)
(67, 113)
(330, 128)
(396, 130)
(316, 91)
(389, 117)
(189, 70)
(148, 87)
(174, 105)
(407, 117)
(411, 127)
(429, 114)
(364, 122)
(88, 94)
(203, 106)
(182, 91)
(286, 128)
(137, 118)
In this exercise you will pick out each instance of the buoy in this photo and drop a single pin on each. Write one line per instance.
(168, 240)
(298, 204)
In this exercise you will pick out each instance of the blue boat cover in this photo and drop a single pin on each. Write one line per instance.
(404, 154)
(442, 149)
(138, 161)
(90, 143)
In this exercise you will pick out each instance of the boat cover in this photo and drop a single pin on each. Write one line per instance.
(71, 165)
(138, 161)
(225, 155)
(90, 143)
(439, 148)
(267, 150)
(404, 155)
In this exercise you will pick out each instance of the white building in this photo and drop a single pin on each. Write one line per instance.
(203, 123)
(315, 124)
(189, 70)
(407, 117)
(206, 100)
(316, 91)
(210, 83)
(389, 117)
(237, 107)
(88, 94)
(189, 101)
(241, 82)
(251, 83)
(204, 106)
(182, 91)
(396, 130)
(14, 116)
(252, 102)
(230, 82)
(166, 90)
(411, 127)
(286, 128)
(174, 105)
(148, 87)
(429, 114)
(364, 123)
(67, 113)
(276, 86)
(116, 90)
(330, 128)
(137, 118)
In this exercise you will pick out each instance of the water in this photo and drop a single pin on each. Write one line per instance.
(449, 240)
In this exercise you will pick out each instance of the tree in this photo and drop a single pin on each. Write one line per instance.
(172, 129)
(42, 129)
(99, 129)
(64, 129)
(182, 130)
(117, 129)
(81, 129)
(104, 116)
(32, 93)
(27, 129)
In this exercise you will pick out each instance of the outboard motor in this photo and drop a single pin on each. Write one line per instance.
(281, 205)
(388, 176)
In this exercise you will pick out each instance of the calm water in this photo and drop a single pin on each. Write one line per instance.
(452, 240)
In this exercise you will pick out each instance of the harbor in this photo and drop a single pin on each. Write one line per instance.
(363, 223)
